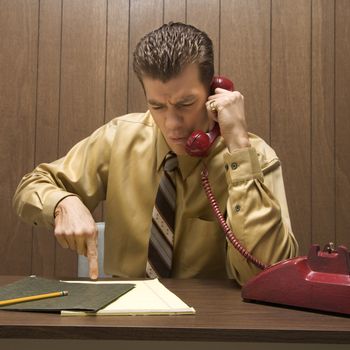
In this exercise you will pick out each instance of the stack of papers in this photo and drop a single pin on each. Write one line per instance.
(149, 297)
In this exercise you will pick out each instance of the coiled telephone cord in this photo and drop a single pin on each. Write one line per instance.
(229, 234)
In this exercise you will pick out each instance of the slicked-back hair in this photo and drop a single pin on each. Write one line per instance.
(163, 53)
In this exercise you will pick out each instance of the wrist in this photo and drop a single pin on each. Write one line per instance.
(59, 208)
(237, 141)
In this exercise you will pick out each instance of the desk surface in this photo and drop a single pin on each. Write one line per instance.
(221, 316)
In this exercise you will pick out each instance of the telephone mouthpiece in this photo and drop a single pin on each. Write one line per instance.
(198, 144)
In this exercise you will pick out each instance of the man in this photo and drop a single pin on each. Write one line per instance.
(122, 163)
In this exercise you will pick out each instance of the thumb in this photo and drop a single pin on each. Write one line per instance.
(92, 255)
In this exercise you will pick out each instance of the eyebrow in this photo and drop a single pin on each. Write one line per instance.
(154, 102)
(189, 98)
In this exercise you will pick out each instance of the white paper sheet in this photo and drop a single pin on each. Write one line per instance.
(149, 297)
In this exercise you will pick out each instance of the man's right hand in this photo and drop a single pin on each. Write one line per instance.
(76, 229)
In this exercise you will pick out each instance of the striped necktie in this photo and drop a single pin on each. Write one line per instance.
(160, 250)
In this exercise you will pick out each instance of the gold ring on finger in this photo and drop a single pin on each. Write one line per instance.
(213, 106)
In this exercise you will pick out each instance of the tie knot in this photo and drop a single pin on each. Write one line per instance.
(170, 162)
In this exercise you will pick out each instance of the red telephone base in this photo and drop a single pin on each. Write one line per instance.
(319, 281)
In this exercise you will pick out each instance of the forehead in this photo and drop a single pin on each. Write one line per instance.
(182, 86)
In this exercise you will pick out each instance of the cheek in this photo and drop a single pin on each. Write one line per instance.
(199, 115)
(201, 108)
(157, 117)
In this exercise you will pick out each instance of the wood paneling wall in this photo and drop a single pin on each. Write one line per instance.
(66, 68)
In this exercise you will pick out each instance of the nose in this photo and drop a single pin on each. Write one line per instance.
(173, 119)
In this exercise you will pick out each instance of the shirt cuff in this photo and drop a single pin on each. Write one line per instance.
(50, 204)
(242, 165)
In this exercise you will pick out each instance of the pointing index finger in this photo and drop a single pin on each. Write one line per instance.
(92, 255)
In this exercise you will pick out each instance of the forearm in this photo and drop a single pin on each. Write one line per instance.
(82, 172)
(37, 196)
(258, 215)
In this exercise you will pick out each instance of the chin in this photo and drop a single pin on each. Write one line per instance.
(178, 149)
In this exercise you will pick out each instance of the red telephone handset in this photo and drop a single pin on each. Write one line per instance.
(199, 142)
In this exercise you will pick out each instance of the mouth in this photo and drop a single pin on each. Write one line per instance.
(178, 140)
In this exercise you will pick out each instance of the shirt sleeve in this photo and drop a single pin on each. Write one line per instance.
(83, 172)
(257, 213)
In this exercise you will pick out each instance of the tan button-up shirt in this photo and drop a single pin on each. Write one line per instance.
(121, 163)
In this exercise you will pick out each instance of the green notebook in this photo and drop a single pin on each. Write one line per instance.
(81, 296)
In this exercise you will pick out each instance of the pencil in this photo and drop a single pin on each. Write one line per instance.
(33, 297)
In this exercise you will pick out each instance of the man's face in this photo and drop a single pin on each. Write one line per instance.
(178, 106)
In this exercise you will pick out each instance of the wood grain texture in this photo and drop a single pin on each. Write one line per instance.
(117, 58)
(145, 15)
(174, 11)
(322, 107)
(290, 107)
(18, 71)
(220, 316)
(82, 70)
(48, 81)
(342, 122)
(82, 102)
(245, 42)
(43, 260)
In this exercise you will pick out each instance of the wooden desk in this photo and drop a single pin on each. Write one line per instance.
(221, 317)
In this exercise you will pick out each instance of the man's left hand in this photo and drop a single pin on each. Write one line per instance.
(227, 109)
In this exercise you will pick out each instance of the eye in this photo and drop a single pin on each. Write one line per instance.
(157, 107)
(186, 105)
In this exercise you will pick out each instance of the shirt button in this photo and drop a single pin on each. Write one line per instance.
(234, 166)
(237, 208)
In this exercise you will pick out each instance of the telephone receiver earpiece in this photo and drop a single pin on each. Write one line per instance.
(199, 142)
